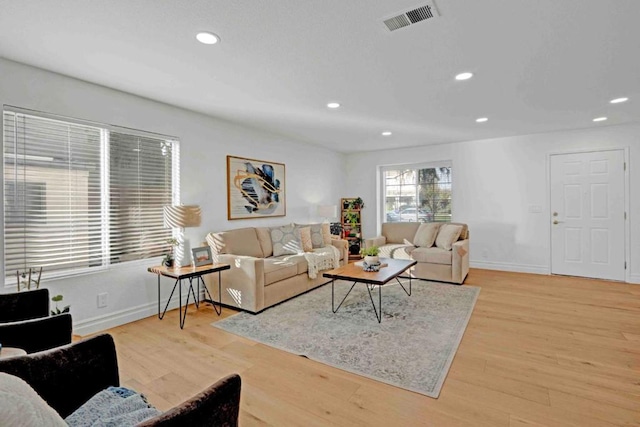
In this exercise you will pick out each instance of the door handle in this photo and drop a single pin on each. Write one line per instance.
(556, 222)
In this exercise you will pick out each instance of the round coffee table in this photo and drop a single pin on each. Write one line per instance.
(7, 352)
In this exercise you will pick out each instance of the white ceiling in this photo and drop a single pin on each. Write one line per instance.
(539, 66)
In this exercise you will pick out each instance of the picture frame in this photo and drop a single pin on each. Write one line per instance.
(201, 256)
(255, 188)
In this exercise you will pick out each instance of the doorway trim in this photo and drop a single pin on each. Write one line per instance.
(627, 194)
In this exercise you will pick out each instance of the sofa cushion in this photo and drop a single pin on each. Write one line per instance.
(448, 235)
(432, 255)
(396, 251)
(426, 235)
(399, 232)
(299, 260)
(241, 241)
(277, 269)
(264, 237)
(285, 240)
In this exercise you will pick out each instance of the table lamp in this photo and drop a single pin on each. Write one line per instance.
(181, 217)
(327, 212)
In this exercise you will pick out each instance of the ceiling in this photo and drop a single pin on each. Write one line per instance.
(539, 66)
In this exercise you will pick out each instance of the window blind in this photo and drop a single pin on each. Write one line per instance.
(81, 196)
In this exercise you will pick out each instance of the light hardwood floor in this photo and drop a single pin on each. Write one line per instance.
(538, 351)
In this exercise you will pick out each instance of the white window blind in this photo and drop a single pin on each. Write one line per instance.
(80, 196)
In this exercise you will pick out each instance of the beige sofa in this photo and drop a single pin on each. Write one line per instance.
(257, 279)
(442, 254)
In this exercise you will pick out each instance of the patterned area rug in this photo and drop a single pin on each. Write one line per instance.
(412, 348)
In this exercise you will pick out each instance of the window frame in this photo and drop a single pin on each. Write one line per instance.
(105, 129)
(381, 193)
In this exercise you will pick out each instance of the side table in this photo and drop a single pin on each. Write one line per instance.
(7, 352)
(190, 273)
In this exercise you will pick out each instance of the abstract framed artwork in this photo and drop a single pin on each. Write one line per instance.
(255, 188)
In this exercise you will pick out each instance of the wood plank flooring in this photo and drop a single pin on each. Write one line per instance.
(538, 351)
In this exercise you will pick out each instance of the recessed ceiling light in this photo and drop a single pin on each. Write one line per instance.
(618, 100)
(333, 105)
(386, 133)
(464, 76)
(599, 119)
(482, 119)
(207, 37)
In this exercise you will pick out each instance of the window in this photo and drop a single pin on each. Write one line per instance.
(417, 193)
(82, 195)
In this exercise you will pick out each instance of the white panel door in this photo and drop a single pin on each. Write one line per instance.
(587, 214)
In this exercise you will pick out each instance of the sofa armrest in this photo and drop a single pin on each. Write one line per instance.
(66, 377)
(460, 260)
(218, 405)
(37, 334)
(242, 284)
(343, 247)
(375, 241)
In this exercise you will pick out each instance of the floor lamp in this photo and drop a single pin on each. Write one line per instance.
(181, 217)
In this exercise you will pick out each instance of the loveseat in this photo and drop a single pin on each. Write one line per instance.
(268, 264)
(441, 249)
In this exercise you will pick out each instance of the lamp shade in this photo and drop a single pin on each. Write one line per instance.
(181, 216)
(328, 211)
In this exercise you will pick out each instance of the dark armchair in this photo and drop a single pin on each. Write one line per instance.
(66, 377)
(25, 322)
(24, 305)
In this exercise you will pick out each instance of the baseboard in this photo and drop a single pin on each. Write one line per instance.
(634, 278)
(505, 266)
(117, 318)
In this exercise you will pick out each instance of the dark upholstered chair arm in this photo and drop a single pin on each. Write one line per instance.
(218, 405)
(66, 377)
(24, 305)
(37, 334)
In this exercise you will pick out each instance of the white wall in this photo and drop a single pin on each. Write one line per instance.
(494, 183)
(314, 176)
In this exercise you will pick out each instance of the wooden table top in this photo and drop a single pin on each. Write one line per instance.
(356, 273)
(7, 352)
(188, 271)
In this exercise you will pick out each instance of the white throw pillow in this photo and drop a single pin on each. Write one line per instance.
(448, 235)
(286, 240)
(426, 235)
(21, 406)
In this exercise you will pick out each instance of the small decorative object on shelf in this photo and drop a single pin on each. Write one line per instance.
(351, 218)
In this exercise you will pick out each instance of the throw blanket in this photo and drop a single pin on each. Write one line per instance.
(320, 259)
(115, 406)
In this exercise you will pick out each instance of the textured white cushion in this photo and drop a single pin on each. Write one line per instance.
(21, 406)
(285, 240)
(426, 235)
(320, 234)
(448, 235)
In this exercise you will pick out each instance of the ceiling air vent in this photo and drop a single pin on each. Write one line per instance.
(411, 17)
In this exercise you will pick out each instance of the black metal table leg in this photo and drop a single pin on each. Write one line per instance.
(161, 316)
(378, 313)
(345, 297)
(217, 309)
(403, 288)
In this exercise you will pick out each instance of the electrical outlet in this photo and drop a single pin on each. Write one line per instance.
(102, 300)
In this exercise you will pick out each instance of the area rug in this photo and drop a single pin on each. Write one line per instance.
(412, 348)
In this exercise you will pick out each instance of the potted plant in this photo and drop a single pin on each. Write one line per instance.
(370, 254)
(168, 259)
(57, 299)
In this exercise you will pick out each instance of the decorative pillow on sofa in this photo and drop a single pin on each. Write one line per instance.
(286, 240)
(447, 236)
(305, 239)
(20, 405)
(320, 234)
(426, 235)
